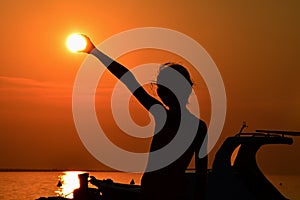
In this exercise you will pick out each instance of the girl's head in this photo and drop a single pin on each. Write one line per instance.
(174, 84)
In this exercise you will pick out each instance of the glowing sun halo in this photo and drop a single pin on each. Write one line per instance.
(76, 42)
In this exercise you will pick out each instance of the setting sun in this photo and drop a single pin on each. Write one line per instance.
(76, 42)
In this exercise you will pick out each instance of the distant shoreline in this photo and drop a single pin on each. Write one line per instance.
(64, 170)
(54, 170)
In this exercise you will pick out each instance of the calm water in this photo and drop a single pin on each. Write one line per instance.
(32, 185)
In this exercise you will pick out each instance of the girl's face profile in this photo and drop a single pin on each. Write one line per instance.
(173, 87)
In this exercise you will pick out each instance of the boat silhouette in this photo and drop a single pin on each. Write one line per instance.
(241, 180)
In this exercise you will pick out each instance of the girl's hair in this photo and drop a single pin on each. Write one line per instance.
(179, 68)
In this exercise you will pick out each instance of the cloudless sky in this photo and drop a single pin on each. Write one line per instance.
(255, 45)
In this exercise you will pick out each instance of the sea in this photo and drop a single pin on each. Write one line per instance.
(33, 185)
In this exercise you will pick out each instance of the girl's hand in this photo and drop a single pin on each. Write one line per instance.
(89, 45)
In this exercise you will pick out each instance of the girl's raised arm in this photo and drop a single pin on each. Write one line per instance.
(119, 71)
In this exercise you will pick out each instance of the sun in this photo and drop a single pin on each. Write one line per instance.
(76, 42)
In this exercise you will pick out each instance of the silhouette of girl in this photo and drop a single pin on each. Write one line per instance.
(169, 182)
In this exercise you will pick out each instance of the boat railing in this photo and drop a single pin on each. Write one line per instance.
(269, 133)
(279, 133)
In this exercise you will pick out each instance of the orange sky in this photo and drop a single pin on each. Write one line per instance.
(254, 44)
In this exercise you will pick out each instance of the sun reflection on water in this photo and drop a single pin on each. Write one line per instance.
(69, 181)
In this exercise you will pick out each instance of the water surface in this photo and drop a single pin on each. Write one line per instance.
(32, 185)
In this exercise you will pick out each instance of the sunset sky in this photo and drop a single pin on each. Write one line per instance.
(255, 45)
